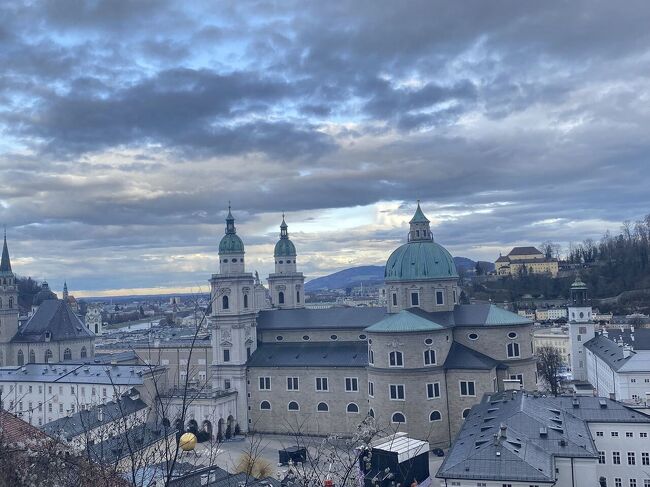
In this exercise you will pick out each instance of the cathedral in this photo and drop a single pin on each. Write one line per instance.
(53, 332)
(417, 365)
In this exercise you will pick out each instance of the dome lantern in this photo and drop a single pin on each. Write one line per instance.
(419, 227)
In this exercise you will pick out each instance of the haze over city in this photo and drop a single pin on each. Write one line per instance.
(126, 128)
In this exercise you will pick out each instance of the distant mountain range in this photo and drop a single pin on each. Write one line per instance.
(373, 275)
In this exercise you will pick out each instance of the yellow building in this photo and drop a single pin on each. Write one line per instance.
(556, 338)
(522, 260)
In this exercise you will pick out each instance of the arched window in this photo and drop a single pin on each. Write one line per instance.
(281, 297)
(352, 408)
(395, 359)
(11, 302)
(435, 416)
(513, 349)
(322, 407)
(224, 302)
(67, 354)
(429, 357)
(21, 358)
(265, 406)
(83, 352)
(245, 300)
(398, 418)
(371, 413)
(48, 355)
(32, 357)
(293, 406)
(466, 412)
(297, 296)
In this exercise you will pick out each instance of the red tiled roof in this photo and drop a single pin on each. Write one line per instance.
(13, 429)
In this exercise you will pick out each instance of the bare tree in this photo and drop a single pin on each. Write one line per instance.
(549, 364)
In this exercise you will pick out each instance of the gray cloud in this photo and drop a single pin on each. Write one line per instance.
(126, 127)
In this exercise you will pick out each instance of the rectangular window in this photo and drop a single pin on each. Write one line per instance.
(601, 457)
(292, 383)
(226, 384)
(265, 383)
(226, 355)
(429, 357)
(397, 392)
(632, 482)
(351, 384)
(467, 388)
(599, 433)
(49, 389)
(643, 435)
(645, 459)
(614, 433)
(394, 299)
(440, 297)
(433, 390)
(371, 389)
(618, 482)
(631, 458)
(616, 458)
(646, 483)
(61, 407)
(582, 330)
(513, 350)
(321, 384)
(629, 434)
(518, 377)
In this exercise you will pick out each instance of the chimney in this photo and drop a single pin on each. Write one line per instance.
(631, 328)
(627, 351)
(100, 414)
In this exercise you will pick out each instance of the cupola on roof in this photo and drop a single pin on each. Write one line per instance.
(45, 294)
(231, 243)
(421, 258)
(284, 247)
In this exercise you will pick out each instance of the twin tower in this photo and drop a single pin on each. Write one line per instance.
(237, 296)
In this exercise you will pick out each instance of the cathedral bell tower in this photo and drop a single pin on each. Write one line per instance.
(286, 283)
(581, 328)
(234, 336)
(8, 307)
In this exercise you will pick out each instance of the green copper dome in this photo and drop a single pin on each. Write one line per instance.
(284, 248)
(420, 260)
(231, 244)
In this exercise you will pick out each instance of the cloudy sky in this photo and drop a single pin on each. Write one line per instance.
(126, 127)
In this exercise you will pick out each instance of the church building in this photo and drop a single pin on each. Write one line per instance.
(53, 332)
(417, 365)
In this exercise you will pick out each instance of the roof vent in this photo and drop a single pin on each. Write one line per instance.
(576, 403)
(562, 442)
(543, 432)
(603, 403)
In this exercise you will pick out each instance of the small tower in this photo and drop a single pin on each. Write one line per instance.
(286, 283)
(419, 227)
(65, 291)
(8, 301)
(581, 328)
(234, 336)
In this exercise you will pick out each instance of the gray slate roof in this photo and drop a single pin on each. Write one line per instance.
(524, 251)
(85, 421)
(520, 452)
(317, 354)
(66, 373)
(461, 357)
(303, 318)
(639, 339)
(55, 316)
(355, 318)
(110, 451)
(608, 351)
